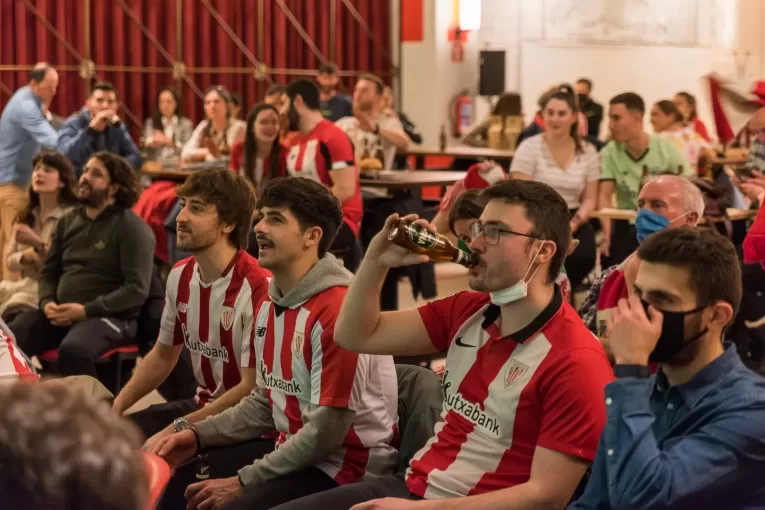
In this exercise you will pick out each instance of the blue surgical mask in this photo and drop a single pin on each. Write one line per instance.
(647, 222)
(518, 291)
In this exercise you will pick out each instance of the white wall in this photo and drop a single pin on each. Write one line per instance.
(655, 62)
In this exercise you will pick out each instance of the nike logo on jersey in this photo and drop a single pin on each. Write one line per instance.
(460, 343)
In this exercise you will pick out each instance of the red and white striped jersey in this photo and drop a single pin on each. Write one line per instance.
(300, 364)
(214, 321)
(13, 365)
(317, 154)
(505, 396)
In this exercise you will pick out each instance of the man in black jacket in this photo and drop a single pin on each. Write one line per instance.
(590, 108)
(96, 276)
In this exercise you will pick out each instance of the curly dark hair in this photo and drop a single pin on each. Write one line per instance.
(66, 195)
(122, 174)
(232, 195)
(62, 451)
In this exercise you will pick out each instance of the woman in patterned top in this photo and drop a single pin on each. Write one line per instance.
(214, 136)
(667, 121)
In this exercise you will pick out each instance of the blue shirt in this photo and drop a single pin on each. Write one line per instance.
(337, 107)
(698, 445)
(23, 130)
(78, 141)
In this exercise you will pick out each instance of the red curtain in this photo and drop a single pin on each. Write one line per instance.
(122, 35)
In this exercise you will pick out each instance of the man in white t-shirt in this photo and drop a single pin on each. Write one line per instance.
(373, 134)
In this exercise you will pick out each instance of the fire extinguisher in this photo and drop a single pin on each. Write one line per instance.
(462, 114)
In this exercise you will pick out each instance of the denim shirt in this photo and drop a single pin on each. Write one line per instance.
(697, 445)
(23, 131)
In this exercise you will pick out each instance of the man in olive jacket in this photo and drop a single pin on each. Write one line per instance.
(96, 273)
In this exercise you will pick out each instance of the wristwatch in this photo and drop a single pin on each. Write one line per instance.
(641, 371)
(181, 424)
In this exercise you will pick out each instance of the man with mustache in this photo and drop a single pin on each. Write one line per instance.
(335, 411)
(693, 434)
(209, 308)
(96, 276)
(324, 153)
(523, 381)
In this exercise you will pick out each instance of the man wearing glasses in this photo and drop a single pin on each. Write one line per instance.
(524, 378)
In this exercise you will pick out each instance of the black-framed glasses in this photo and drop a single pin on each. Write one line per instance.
(492, 232)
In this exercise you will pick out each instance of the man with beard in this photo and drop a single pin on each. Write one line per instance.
(333, 106)
(324, 153)
(372, 133)
(96, 276)
(209, 308)
(334, 411)
(692, 435)
(524, 378)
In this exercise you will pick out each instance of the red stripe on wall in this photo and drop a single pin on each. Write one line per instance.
(412, 26)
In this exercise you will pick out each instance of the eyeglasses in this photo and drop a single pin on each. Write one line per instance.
(492, 233)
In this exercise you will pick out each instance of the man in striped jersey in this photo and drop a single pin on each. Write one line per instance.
(335, 411)
(524, 378)
(209, 306)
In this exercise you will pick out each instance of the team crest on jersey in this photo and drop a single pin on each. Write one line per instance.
(182, 307)
(226, 317)
(297, 344)
(514, 371)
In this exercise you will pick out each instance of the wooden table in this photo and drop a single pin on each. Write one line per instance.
(626, 214)
(174, 170)
(458, 152)
(410, 179)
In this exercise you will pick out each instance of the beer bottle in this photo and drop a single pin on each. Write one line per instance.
(203, 466)
(442, 138)
(419, 239)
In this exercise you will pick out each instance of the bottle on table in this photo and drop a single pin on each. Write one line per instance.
(419, 239)
(442, 138)
(203, 466)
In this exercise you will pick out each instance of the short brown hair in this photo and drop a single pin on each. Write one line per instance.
(713, 269)
(379, 85)
(312, 203)
(232, 195)
(545, 209)
(123, 175)
(61, 450)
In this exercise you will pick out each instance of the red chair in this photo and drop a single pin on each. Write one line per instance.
(158, 473)
(119, 356)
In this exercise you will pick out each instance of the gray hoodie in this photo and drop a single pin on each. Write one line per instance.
(324, 428)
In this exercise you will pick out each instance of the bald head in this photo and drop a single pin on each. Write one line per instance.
(673, 197)
(43, 80)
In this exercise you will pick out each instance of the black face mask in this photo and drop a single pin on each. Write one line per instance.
(583, 99)
(672, 339)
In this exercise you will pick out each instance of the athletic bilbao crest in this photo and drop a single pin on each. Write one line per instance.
(297, 344)
(227, 317)
(514, 371)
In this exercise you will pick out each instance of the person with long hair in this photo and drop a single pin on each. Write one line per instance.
(561, 158)
(213, 137)
(167, 130)
(260, 156)
(686, 104)
(668, 122)
(50, 196)
(96, 276)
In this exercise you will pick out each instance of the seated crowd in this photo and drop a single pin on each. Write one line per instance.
(637, 400)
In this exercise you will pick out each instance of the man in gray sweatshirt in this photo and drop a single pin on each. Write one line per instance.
(96, 276)
(334, 411)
